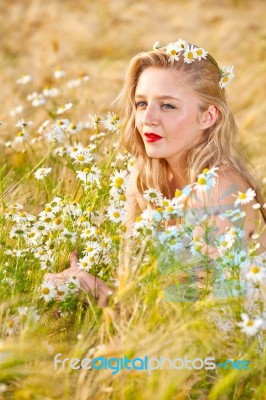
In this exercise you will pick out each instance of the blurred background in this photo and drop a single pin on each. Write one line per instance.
(98, 38)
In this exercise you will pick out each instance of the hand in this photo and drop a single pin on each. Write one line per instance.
(88, 282)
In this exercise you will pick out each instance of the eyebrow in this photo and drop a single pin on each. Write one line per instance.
(163, 97)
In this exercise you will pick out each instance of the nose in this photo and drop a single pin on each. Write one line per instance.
(150, 116)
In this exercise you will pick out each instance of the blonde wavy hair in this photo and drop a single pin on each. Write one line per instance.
(217, 145)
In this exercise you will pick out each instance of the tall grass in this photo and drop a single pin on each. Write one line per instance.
(144, 317)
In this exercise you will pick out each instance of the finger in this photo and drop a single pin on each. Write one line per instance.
(74, 259)
(47, 277)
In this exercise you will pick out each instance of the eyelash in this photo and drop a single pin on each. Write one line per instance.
(165, 104)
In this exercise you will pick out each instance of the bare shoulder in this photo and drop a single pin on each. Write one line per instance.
(227, 183)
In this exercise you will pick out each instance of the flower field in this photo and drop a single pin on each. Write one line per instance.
(196, 324)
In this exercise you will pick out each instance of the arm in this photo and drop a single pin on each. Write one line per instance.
(133, 197)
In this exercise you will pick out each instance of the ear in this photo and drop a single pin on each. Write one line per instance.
(209, 117)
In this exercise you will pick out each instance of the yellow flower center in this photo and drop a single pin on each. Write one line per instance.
(89, 249)
(202, 181)
(225, 79)
(119, 182)
(20, 134)
(84, 263)
(242, 196)
(81, 158)
(47, 209)
(205, 170)
(138, 219)
(224, 243)
(46, 290)
(122, 197)
(173, 52)
(190, 55)
(72, 126)
(86, 170)
(57, 221)
(199, 52)
(116, 214)
(178, 193)
(169, 209)
(255, 269)
(60, 123)
(10, 323)
(165, 203)
(250, 323)
(160, 210)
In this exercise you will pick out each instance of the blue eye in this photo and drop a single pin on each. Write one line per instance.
(168, 106)
(140, 104)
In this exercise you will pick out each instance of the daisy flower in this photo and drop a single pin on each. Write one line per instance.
(36, 99)
(245, 198)
(190, 54)
(24, 79)
(112, 122)
(84, 264)
(182, 44)
(61, 125)
(116, 214)
(67, 235)
(227, 76)
(64, 108)
(250, 326)
(201, 53)
(48, 291)
(12, 325)
(92, 248)
(73, 128)
(41, 173)
(205, 181)
(50, 92)
(156, 45)
(94, 120)
(82, 156)
(23, 124)
(233, 215)
(153, 196)
(16, 110)
(59, 73)
(62, 292)
(58, 223)
(225, 242)
(89, 231)
(173, 49)
(21, 136)
(256, 274)
(118, 179)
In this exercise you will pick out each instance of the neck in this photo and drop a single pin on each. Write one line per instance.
(178, 174)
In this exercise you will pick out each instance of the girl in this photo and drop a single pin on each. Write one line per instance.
(176, 124)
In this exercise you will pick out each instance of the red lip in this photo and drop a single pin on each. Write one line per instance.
(151, 135)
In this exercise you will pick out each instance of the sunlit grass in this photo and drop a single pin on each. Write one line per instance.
(139, 320)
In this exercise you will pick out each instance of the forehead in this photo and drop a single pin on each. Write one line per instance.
(160, 80)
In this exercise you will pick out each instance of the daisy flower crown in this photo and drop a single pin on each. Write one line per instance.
(191, 53)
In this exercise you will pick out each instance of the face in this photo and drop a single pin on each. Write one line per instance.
(166, 107)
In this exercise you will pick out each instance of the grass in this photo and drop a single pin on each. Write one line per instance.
(139, 320)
